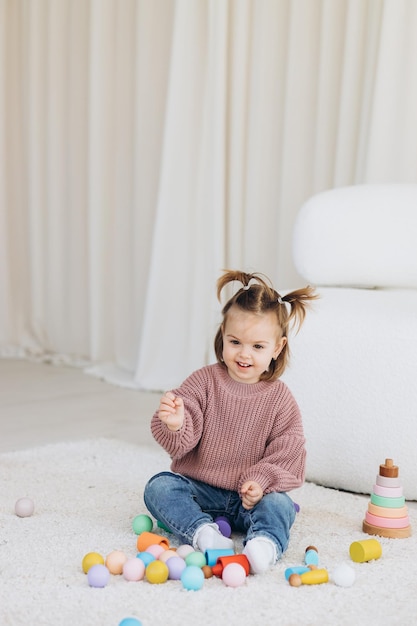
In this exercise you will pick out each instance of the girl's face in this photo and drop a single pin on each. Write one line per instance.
(250, 341)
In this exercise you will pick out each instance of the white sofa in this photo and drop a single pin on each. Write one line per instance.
(353, 367)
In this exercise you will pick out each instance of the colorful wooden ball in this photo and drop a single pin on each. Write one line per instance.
(130, 621)
(196, 558)
(343, 575)
(176, 566)
(134, 569)
(167, 554)
(234, 575)
(156, 550)
(115, 561)
(184, 549)
(157, 572)
(24, 507)
(207, 571)
(295, 580)
(90, 559)
(192, 578)
(98, 576)
(224, 526)
(146, 557)
(142, 523)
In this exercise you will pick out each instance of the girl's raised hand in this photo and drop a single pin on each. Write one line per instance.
(171, 411)
(251, 492)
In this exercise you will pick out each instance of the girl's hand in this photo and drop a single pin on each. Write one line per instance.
(171, 411)
(251, 493)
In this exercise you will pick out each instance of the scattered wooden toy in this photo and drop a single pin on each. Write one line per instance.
(366, 550)
(309, 573)
(313, 577)
(387, 514)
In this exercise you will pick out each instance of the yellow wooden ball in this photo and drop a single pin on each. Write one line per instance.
(157, 572)
(90, 559)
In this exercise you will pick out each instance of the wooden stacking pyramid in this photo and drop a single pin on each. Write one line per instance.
(387, 514)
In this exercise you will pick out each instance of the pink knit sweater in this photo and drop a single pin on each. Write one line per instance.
(234, 432)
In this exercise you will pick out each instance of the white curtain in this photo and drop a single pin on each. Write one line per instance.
(145, 145)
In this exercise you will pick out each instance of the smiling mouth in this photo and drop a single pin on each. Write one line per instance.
(245, 365)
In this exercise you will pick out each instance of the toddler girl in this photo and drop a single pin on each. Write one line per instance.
(234, 431)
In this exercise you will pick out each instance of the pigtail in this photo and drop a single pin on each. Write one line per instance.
(299, 301)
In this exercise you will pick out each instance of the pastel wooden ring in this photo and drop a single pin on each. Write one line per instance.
(392, 533)
(387, 502)
(382, 511)
(386, 481)
(386, 522)
(388, 492)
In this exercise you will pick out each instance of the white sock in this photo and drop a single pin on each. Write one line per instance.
(261, 554)
(209, 537)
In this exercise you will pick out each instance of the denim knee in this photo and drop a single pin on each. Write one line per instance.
(272, 518)
(155, 486)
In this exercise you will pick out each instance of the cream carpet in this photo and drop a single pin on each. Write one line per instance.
(86, 495)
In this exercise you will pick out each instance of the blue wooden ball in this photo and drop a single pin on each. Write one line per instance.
(192, 578)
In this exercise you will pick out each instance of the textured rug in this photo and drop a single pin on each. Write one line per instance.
(86, 495)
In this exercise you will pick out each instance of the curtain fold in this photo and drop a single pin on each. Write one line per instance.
(148, 144)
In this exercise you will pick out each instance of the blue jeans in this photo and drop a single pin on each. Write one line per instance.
(183, 505)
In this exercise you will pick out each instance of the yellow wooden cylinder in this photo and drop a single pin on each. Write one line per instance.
(366, 550)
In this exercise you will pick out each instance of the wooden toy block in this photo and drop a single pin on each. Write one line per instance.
(388, 469)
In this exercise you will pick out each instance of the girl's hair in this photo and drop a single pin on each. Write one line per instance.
(258, 296)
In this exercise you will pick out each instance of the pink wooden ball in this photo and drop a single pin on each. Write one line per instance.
(234, 575)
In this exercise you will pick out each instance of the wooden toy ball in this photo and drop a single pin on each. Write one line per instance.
(142, 523)
(196, 558)
(234, 575)
(146, 557)
(176, 566)
(24, 507)
(156, 550)
(167, 554)
(157, 572)
(184, 550)
(224, 526)
(130, 621)
(207, 571)
(90, 559)
(115, 561)
(192, 578)
(134, 569)
(98, 576)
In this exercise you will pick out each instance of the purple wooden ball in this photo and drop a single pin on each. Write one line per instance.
(224, 526)
(176, 566)
(98, 576)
